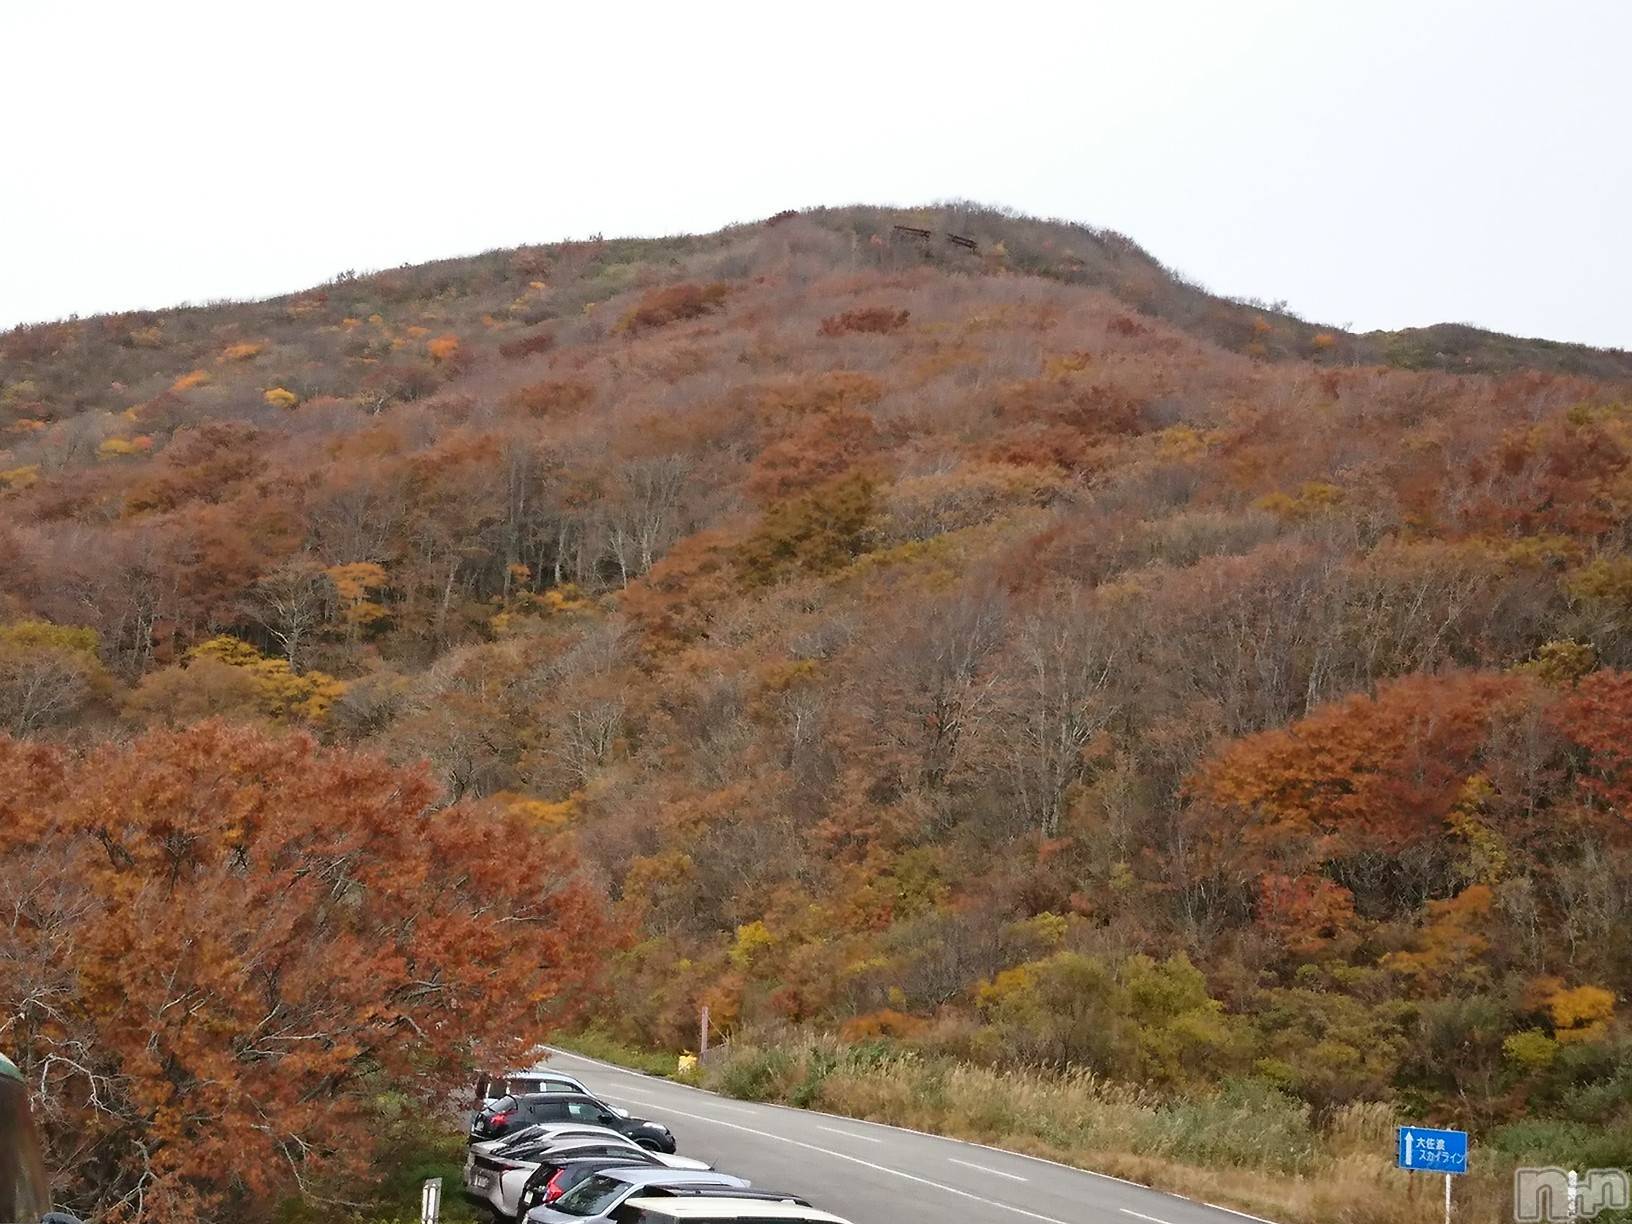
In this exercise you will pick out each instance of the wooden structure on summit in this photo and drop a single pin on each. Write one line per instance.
(923, 235)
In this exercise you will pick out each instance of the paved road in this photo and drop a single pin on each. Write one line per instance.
(874, 1174)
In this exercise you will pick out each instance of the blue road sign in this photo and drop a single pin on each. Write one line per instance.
(1432, 1151)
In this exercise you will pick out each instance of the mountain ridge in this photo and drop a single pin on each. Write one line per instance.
(1147, 286)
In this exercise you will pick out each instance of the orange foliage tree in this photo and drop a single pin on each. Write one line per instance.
(224, 944)
(1367, 773)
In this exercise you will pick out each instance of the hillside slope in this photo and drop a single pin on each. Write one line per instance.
(1015, 649)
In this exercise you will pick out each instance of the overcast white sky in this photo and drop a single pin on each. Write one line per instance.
(1374, 162)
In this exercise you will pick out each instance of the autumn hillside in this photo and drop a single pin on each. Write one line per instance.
(1014, 651)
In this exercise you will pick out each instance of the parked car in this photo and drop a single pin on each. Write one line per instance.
(594, 1199)
(519, 1083)
(707, 1209)
(499, 1179)
(512, 1113)
(560, 1171)
(544, 1130)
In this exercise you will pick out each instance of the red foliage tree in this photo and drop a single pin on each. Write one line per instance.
(225, 944)
(1597, 715)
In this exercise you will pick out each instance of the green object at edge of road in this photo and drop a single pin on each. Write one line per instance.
(24, 1190)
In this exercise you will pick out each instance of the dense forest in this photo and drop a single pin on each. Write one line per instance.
(1002, 646)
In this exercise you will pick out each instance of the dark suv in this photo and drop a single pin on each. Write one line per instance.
(510, 1113)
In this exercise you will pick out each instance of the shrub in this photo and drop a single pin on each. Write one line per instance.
(443, 348)
(20, 477)
(877, 320)
(674, 304)
(550, 398)
(755, 1074)
(112, 448)
(885, 1023)
(824, 392)
(820, 532)
(527, 346)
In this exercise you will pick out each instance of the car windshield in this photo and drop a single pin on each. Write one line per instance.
(504, 1104)
(595, 1196)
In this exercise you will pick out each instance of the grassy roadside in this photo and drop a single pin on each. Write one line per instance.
(1247, 1147)
(596, 1044)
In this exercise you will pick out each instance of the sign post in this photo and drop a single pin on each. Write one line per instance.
(702, 1035)
(1420, 1149)
(430, 1201)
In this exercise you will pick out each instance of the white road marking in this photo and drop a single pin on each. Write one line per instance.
(1141, 1215)
(877, 1168)
(1245, 1215)
(643, 1092)
(984, 1169)
(833, 1130)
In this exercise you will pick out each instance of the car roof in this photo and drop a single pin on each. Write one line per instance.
(701, 1207)
(635, 1160)
(566, 1134)
(541, 1132)
(554, 1096)
(574, 1143)
(647, 1175)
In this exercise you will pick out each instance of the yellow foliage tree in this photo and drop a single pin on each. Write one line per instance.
(47, 673)
(542, 812)
(42, 635)
(115, 448)
(1580, 1013)
(280, 397)
(1560, 663)
(1315, 497)
(354, 584)
(281, 691)
(753, 938)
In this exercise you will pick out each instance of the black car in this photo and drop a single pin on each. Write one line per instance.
(558, 1174)
(511, 1113)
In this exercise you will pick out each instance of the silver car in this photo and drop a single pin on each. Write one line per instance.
(593, 1200)
(496, 1176)
(702, 1210)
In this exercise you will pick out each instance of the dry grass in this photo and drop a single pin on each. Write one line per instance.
(1248, 1148)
